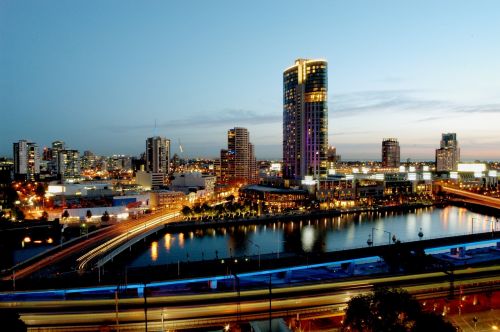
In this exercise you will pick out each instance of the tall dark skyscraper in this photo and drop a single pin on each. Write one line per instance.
(305, 119)
(157, 155)
(390, 153)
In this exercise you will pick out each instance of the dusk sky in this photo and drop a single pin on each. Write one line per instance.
(97, 74)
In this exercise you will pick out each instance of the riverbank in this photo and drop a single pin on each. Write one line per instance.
(316, 214)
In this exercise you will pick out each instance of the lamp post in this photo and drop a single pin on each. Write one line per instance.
(373, 239)
(472, 225)
(258, 249)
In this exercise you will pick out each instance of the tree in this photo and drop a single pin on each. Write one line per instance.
(186, 211)
(65, 214)
(392, 310)
(45, 216)
(40, 190)
(105, 216)
(11, 321)
(89, 214)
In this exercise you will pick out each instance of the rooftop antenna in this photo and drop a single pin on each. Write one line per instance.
(154, 130)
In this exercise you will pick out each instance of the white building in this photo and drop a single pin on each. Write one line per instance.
(26, 160)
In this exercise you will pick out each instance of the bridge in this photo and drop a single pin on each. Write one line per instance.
(97, 244)
(472, 198)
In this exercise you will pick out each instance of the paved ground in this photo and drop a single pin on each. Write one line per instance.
(486, 321)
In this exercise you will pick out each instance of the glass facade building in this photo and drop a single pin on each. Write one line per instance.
(305, 119)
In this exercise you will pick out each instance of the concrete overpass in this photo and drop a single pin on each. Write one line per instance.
(472, 198)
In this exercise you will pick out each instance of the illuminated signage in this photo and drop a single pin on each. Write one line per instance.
(412, 176)
(492, 173)
(309, 181)
(331, 171)
(473, 168)
(427, 176)
(275, 167)
(426, 168)
(412, 168)
(453, 175)
(402, 169)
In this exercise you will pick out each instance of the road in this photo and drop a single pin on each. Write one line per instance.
(476, 198)
(113, 233)
(219, 308)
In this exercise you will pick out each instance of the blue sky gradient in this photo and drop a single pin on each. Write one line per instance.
(97, 74)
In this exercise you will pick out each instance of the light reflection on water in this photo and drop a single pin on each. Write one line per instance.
(311, 235)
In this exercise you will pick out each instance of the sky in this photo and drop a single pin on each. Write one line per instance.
(99, 74)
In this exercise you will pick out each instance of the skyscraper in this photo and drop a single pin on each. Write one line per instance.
(26, 160)
(448, 155)
(158, 155)
(305, 119)
(390, 153)
(237, 162)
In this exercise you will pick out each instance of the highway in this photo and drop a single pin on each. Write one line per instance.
(114, 235)
(219, 308)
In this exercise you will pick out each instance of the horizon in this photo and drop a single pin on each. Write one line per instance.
(92, 72)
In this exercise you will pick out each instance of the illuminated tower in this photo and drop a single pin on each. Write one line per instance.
(157, 155)
(305, 119)
(448, 155)
(237, 163)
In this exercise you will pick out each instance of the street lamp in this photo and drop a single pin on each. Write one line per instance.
(258, 249)
(389, 233)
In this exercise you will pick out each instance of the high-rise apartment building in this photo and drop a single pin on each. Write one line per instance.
(68, 164)
(390, 153)
(448, 155)
(305, 119)
(237, 163)
(158, 155)
(26, 161)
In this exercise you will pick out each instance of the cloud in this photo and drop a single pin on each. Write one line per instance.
(226, 117)
(393, 101)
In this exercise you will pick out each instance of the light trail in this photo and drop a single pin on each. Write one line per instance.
(234, 307)
(114, 242)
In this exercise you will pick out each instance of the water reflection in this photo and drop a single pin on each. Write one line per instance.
(154, 251)
(312, 235)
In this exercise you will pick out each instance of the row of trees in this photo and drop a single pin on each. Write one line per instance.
(229, 209)
(391, 310)
(105, 216)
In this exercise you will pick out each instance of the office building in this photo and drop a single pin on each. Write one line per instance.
(448, 155)
(305, 120)
(237, 163)
(26, 161)
(158, 155)
(390, 153)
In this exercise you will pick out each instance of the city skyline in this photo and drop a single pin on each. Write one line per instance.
(409, 71)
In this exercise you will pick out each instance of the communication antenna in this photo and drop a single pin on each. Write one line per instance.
(154, 130)
(180, 146)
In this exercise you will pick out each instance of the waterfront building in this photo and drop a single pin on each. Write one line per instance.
(305, 120)
(193, 182)
(390, 153)
(237, 163)
(26, 161)
(448, 155)
(273, 199)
